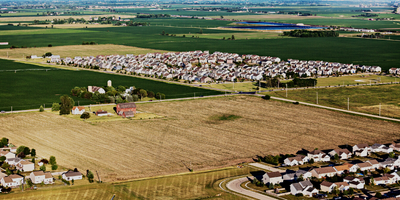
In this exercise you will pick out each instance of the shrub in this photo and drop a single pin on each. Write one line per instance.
(85, 115)
(54, 167)
(43, 168)
(41, 109)
(267, 97)
(55, 107)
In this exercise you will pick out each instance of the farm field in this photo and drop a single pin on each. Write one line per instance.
(29, 89)
(128, 149)
(362, 98)
(355, 79)
(352, 50)
(183, 186)
(75, 50)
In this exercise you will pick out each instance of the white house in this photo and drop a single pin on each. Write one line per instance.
(297, 160)
(295, 175)
(25, 166)
(342, 186)
(365, 166)
(272, 177)
(41, 177)
(323, 171)
(304, 187)
(327, 186)
(355, 182)
(343, 154)
(13, 180)
(78, 110)
(71, 175)
(318, 156)
(7, 154)
(381, 148)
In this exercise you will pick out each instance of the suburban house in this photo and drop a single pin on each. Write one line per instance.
(297, 174)
(382, 180)
(381, 148)
(345, 168)
(365, 166)
(7, 154)
(272, 177)
(323, 171)
(360, 147)
(344, 154)
(318, 156)
(395, 146)
(355, 182)
(126, 109)
(327, 186)
(71, 175)
(13, 180)
(304, 187)
(297, 160)
(25, 166)
(41, 177)
(342, 186)
(375, 164)
(78, 110)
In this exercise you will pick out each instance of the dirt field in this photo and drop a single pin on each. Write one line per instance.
(42, 18)
(190, 134)
(76, 50)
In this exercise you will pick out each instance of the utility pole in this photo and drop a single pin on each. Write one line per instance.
(194, 95)
(286, 90)
(317, 97)
(11, 109)
(348, 103)
(379, 109)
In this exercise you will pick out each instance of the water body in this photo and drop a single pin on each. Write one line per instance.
(273, 26)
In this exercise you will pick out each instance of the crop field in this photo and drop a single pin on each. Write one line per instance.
(346, 50)
(29, 89)
(186, 136)
(75, 50)
(362, 98)
(186, 186)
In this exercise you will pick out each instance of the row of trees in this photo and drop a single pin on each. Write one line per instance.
(153, 16)
(307, 33)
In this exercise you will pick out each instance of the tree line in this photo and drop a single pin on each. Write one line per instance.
(307, 33)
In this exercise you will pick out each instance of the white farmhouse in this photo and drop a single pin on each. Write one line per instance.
(78, 110)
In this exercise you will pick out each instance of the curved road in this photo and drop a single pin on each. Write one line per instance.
(234, 185)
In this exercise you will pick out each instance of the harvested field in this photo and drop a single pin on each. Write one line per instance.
(140, 148)
(76, 50)
(42, 18)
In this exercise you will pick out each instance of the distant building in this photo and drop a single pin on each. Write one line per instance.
(71, 175)
(109, 83)
(78, 110)
(94, 89)
(126, 109)
(101, 113)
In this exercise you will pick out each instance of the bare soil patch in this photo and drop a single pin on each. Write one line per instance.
(129, 149)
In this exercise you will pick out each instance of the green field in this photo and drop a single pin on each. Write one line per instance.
(345, 50)
(355, 79)
(197, 185)
(30, 89)
(362, 98)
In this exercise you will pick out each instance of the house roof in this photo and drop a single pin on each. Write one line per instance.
(274, 174)
(343, 167)
(72, 173)
(38, 173)
(48, 175)
(339, 184)
(326, 183)
(373, 162)
(365, 164)
(7, 179)
(127, 105)
(325, 170)
(80, 108)
(24, 162)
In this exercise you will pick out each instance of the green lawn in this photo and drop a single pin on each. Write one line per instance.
(30, 89)
(197, 185)
(362, 98)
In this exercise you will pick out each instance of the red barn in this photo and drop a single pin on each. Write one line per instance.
(126, 107)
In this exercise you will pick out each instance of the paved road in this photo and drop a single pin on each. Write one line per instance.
(336, 109)
(266, 167)
(235, 186)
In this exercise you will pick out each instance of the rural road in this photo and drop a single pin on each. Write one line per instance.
(266, 167)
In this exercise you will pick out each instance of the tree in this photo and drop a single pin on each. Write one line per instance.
(41, 109)
(33, 152)
(66, 105)
(391, 155)
(386, 170)
(150, 94)
(72, 181)
(90, 176)
(50, 45)
(52, 160)
(43, 168)
(48, 54)
(371, 181)
(85, 115)
(267, 97)
(201, 31)
(163, 32)
(20, 149)
(2, 158)
(233, 37)
(378, 195)
(160, 96)
(336, 157)
(44, 161)
(311, 161)
(143, 93)
(5, 165)
(29, 182)
(55, 107)
(54, 167)
(222, 17)
(27, 151)
(21, 155)
(4, 141)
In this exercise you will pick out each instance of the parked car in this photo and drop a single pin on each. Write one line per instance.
(3, 111)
